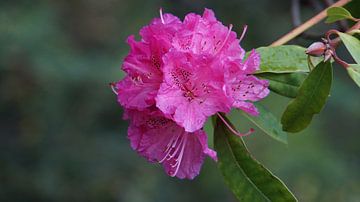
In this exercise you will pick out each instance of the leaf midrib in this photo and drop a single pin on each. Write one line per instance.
(242, 170)
(317, 85)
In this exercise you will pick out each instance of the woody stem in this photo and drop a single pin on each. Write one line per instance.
(305, 26)
(335, 42)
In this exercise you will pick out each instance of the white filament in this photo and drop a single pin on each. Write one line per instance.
(243, 33)
(226, 38)
(113, 88)
(161, 16)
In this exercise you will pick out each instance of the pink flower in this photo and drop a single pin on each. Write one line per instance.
(177, 76)
(161, 140)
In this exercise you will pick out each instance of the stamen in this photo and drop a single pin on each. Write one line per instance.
(233, 130)
(180, 157)
(161, 16)
(226, 38)
(166, 155)
(171, 145)
(243, 33)
(177, 149)
(176, 145)
(176, 140)
(113, 88)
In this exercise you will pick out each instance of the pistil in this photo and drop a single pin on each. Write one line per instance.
(234, 130)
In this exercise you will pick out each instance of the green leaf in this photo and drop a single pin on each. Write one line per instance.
(246, 177)
(310, 100)
(353, 7)
(283, 59)
(352, 45)
(354, 73)
(268, 123)
(313, 61)
(286, 84)
(337, 13)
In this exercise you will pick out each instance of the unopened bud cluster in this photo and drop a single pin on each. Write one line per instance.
(323, 48)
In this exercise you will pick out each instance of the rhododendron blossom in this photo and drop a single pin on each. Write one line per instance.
(178, 75)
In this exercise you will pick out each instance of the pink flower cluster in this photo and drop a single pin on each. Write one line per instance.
(179, 74)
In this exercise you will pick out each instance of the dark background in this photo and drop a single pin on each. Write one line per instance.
(61, 133)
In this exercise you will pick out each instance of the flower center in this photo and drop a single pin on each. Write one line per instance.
(190, 90)
(188, 93)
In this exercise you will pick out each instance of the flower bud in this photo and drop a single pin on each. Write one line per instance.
(316, 49)
(328, 54)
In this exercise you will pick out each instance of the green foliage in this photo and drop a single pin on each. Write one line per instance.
(247, 178)
(354, 72)
(337, 13)
(352, 44)
(353, 7)
(283, 59)
(268, 123)
(311, 98)
(286, 84)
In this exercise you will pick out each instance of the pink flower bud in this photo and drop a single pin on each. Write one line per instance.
(316, 49)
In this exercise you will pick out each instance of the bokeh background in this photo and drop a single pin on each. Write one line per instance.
(62, 137)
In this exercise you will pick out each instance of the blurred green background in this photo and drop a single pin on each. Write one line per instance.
(62, 137)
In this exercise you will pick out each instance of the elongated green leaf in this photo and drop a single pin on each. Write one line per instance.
(354, 73)
(268, 123)
(286, 84)
(352, 45)
(337, 13)
(310, 100)
(247, 178)
(283, 59)
(313, 61)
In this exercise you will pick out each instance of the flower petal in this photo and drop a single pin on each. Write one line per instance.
(201, 135)
(247, 107)
(192, 159)
(135, 94)
(190, 117)
(252, 63)
(160, 139)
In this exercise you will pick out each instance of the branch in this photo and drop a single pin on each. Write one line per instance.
(305, 26)
(296, 19)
